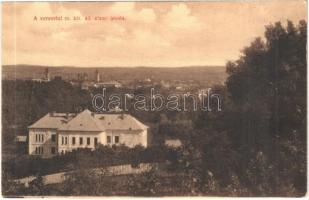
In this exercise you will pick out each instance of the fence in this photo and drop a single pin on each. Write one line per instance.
(109, 171)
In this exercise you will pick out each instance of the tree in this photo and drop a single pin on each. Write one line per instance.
(36, 187)
(271, 74)
(267, 86)
(87, 182)
(146, 184)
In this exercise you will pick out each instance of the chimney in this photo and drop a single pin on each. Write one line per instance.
(92, 114)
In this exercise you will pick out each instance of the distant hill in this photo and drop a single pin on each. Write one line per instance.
(122, 74)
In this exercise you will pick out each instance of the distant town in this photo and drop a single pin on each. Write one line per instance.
(132, 78)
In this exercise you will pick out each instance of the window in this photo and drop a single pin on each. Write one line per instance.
(95, 141)
(116, 139)
(39, 150)
(62, 140)
(42, 138)
(36, 137)
(53, 138)
(53, 150)
(80, 140)
(109, 140)
(66, 140)
(73, 140)
(88, 140)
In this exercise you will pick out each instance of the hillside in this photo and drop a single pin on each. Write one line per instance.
(122, 74)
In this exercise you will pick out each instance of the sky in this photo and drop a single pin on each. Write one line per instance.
(157, 34)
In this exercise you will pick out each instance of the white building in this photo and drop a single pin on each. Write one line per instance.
(108, 84)
(173, 143)
(60, 132)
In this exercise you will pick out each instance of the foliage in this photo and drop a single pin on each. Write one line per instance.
(85, 182)
(267, 86)
(148, 185)
(256, 146)
(85, 159)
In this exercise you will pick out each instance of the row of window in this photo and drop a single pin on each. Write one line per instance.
(40, 137)
(109, 139)
(40, 150)
(64, 140)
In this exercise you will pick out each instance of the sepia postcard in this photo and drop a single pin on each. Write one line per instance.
(154, 99)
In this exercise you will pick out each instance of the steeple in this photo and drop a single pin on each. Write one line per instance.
(97, 75)
(47, 75)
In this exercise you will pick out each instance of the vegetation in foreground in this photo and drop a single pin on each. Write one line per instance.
(255, 147)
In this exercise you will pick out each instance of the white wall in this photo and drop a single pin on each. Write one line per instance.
(43, 141)
(129, 138)
(70, 134)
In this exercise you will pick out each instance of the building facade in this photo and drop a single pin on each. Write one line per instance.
(58, 133)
